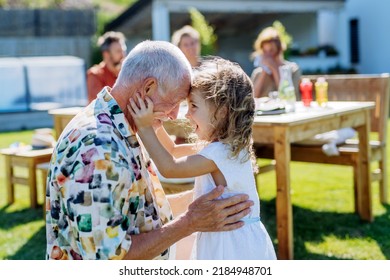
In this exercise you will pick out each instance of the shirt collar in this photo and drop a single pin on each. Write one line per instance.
(106, 102)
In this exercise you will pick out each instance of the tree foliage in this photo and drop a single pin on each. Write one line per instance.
(284, 36)
(33, 4)
(207, 36)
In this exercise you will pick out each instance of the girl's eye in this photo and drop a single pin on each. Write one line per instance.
(193, 105)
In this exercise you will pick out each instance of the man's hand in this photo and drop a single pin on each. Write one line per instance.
(207, 213)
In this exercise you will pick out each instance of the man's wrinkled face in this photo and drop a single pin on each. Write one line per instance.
(168, 102)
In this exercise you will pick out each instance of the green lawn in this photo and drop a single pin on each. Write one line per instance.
(325, 226)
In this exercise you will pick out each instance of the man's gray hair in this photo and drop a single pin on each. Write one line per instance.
(158, 59)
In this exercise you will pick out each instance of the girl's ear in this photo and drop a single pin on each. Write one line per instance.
(150, 87)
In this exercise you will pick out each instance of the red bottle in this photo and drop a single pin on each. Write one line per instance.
(306, 88)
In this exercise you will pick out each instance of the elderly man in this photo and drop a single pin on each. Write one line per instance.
(104, 200)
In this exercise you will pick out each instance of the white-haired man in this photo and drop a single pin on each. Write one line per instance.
(103, 198)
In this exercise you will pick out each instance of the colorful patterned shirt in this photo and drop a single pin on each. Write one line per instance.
(101, 187)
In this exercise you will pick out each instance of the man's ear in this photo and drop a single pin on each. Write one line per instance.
(150, 87)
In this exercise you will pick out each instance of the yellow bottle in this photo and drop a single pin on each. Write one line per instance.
(321, 87)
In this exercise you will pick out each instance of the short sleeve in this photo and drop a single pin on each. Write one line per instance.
(234, 170)
(214, 151)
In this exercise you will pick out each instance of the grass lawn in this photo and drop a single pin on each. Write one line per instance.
(325, 226)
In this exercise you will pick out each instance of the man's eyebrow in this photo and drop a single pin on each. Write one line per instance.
(190, 98)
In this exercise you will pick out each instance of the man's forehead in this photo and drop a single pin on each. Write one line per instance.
(175, 96)
(180, 93)
(184, 91)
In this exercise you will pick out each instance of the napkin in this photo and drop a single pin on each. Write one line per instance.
(329, 140)
(266, 105)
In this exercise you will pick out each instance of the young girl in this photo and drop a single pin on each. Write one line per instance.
(221, 110)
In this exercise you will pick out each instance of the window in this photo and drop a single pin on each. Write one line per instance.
(354, 40)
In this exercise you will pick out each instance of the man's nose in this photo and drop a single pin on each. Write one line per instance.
(173, 113)
(188, 114)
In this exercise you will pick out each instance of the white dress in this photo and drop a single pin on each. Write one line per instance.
(250, 242)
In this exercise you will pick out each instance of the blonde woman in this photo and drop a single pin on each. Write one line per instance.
(268, 57)
(187, 39)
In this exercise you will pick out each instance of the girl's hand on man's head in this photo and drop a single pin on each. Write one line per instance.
(143, 113)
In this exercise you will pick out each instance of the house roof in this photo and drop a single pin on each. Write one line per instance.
(137, 19)
(138, 10)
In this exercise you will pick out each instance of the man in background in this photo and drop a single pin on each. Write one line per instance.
(113, 48)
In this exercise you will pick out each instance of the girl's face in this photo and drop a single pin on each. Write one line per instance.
(200, 113)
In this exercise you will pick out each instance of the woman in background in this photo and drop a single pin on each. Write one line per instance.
(268, 57)
(187, 39)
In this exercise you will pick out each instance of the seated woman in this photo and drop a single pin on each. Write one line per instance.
(187, 39)
(268, 56)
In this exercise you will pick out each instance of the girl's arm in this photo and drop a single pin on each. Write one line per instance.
(175, 150)
(168, 165)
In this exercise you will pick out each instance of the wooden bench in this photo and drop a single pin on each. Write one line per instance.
(352, 88)
(28, 159)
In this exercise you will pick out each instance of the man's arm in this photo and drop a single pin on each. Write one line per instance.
(206, 214)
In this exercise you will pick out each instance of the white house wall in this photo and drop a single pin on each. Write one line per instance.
(250, 6)
(374, 35)
(303, 28)
(162, 8)
(343, 39)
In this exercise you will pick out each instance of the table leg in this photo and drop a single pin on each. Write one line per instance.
(283, 199)
(43, 179)
(364, 177)
(32, 182)
(57, 126)
(356, 187)
(383, 182)
(10, 185)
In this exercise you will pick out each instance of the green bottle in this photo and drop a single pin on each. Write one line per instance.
(286, 88)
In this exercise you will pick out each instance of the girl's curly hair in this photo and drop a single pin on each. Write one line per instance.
(229, 90)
